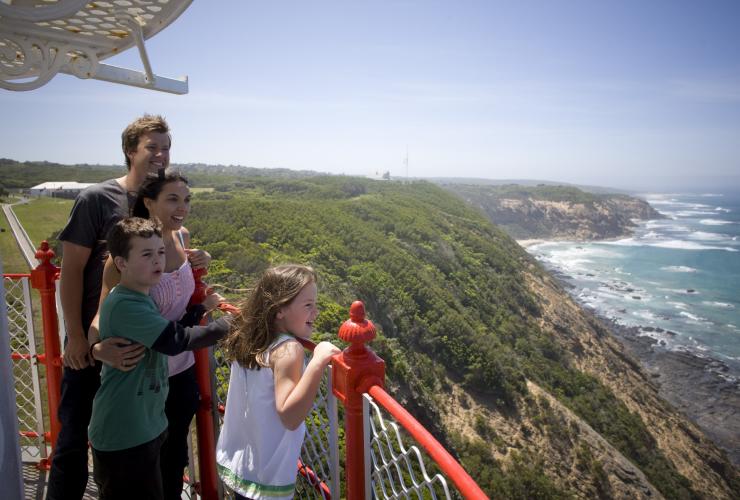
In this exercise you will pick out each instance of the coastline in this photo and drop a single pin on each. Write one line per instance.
(701, 387)
(528, 243)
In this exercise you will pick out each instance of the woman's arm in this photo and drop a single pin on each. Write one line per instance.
(117, 352)
(295, 388)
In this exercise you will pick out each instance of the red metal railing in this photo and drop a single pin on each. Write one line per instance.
(446, 462)
(43, 279)
(355, 371)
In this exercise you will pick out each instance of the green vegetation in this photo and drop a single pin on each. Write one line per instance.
(523, 478)
(23, 175)
(17, 175)
(445, 288)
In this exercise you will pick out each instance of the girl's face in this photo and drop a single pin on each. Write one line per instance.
(171, 206)
(298, 316)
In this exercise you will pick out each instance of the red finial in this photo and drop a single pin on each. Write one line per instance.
(44, 253)
(357, 330)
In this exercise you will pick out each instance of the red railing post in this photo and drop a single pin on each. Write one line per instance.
(42, 279)
(354, 370)
(204, 415)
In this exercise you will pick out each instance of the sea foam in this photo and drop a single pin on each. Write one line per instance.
(715, 222)
(678, 269)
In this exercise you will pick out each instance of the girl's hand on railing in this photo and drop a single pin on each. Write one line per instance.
(324, 351)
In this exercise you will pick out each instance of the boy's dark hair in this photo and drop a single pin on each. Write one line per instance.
(152, 186)
(121, 234)
(137, 128)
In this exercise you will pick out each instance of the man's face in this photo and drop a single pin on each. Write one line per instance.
(151, 154)
(144, 265)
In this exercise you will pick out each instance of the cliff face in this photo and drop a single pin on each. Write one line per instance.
(555, 441)
(553, 212)
(596, 352)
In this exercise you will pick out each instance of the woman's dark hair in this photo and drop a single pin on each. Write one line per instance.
(152, 186)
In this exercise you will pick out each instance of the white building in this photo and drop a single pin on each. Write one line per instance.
(59, 189)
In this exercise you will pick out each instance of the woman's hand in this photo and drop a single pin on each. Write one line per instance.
(199, 259)
(120, 353)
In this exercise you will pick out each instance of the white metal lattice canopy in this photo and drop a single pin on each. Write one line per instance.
(40, 38)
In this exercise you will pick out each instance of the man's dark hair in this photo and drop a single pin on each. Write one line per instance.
(121, 234)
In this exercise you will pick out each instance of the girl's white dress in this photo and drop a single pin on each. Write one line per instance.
(256, 456)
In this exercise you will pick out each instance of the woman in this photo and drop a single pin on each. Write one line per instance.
(166, 198)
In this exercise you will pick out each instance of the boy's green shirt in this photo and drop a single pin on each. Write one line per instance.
(128, 409)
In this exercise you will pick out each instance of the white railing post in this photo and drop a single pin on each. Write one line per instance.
(333, 416)
(367, 442)
(34, 369)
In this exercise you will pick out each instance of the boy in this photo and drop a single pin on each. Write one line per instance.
(128, 423)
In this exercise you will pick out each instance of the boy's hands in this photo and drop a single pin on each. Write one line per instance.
(120, 353)
(324, 351)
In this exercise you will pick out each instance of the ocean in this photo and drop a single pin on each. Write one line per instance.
(676, 279)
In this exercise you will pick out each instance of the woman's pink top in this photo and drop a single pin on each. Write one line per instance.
(172, 295)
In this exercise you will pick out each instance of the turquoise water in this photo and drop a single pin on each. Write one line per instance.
(677, 278)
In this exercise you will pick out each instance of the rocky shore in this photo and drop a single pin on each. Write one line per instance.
(705, 389)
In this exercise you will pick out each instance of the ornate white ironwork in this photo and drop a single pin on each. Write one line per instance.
(44, 12)
(35, 46)
(320, 452)
(25, 368)
(397, 471)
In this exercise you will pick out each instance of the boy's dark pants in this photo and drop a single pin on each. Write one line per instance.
(130, 473)
(68, 475)
(181, 405)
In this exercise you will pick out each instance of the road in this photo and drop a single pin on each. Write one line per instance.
(21, 237)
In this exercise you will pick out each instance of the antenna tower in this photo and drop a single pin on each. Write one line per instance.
(406, 162)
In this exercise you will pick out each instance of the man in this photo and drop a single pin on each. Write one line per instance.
(146, 147)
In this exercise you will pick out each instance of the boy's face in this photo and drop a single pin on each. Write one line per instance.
(151, 154)
(144, 265)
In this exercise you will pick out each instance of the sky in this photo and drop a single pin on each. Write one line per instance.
(633, 94)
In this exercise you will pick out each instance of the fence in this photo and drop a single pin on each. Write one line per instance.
(378, 461)
(24, 355)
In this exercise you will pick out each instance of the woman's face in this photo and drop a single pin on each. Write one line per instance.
(171, 206)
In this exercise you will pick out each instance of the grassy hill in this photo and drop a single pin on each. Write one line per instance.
(528, 390)
(462, 325)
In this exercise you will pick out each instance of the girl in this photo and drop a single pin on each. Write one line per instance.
(166, 197)
(270, 393)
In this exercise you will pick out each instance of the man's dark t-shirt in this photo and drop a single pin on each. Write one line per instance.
(95, 211)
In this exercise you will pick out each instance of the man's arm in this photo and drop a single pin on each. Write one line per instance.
(71, 288)
(117, 352)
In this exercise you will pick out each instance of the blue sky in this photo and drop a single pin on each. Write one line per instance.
(632, 94)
